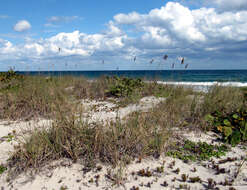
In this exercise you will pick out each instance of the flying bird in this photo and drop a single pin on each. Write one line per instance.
(151, 61)
(165, 57)
(186, 66)
(59, 49)
(134, 58)
(182, 60)
(173, 65)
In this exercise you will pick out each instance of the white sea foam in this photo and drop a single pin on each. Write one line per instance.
(204, 86)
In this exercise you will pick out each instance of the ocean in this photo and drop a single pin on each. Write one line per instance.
(200, 79)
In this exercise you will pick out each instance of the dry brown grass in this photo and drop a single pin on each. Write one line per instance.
(34, 97)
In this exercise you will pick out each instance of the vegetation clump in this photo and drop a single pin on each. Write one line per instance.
(195, 179)
(184, 177)
(232, 127)
(197, 151)
(2, 169)
(10, 80)
(144, 173)
(123, 86)
(9, 75)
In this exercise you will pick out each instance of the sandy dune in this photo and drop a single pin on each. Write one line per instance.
(64, 173)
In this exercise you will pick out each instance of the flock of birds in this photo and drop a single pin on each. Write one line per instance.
(165, 57)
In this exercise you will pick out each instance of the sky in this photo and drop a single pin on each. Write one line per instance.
(44, 35)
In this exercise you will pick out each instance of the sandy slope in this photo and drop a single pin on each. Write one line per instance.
(64, 173)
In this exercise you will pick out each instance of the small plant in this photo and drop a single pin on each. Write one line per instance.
(184, 177)
(144, 173)
(2, 169)
(9, 137)
(184, 186)
(160, 169)
(148, 185)
(134, 188)
(90, 181)
(195, 179)
(164, 184)
(176, 171)
(63, 188)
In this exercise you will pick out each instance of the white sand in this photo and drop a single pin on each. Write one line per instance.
(63, 173)
(104, 112)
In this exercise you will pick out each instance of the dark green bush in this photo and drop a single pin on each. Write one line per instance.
(232, 127)
(123, 86)
(10, 80)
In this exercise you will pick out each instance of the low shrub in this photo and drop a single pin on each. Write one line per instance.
(10, 80)
(196, 151)
(123, 86)
(232, 127)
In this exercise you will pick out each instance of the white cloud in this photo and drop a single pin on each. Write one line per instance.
(173, 28)
(231, 5)
(68, 44)
(59, 19)
(6, 49)
(130, 18)
(22, 25)
(50, 25)
(175, 24)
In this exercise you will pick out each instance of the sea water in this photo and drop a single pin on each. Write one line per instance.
(199, 79)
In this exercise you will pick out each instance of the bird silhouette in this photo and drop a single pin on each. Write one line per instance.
(165, 57)
(134, 58)
(182, 60)
(173, 65)
(186, 66)
(151, 61)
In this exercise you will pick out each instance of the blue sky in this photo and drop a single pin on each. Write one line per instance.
(103, 35)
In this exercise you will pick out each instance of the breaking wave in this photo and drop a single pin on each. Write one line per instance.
(205, 86)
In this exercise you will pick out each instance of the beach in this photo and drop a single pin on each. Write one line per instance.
(157, 170)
